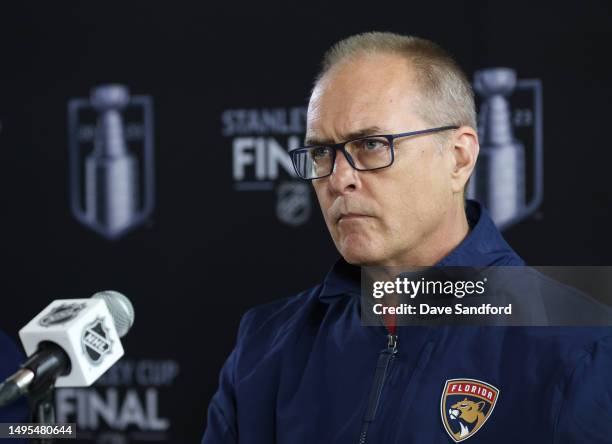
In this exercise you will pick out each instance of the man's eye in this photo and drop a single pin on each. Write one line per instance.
(373, 144)
(320, 152)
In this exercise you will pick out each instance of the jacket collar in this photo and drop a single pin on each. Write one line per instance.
(483, 246)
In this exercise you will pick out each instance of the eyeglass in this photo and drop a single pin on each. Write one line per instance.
(363, 154)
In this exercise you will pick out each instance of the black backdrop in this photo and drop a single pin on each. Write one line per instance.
(210, 249)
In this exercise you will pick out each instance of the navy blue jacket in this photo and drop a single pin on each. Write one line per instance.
(10, 359)
(302, 371)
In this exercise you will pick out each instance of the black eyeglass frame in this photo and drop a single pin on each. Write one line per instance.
(341, 147)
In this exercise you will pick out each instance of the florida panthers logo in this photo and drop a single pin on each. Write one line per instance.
(465, 406)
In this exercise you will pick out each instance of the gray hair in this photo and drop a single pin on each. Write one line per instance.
(447, 97)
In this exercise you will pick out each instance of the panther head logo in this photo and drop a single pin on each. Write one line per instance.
(465, 406)
(469, 415)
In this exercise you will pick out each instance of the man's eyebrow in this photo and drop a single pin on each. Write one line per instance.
(369, 131)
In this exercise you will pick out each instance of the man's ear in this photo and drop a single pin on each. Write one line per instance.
(465, 150)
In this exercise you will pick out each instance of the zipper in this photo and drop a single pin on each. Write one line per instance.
(385, 357)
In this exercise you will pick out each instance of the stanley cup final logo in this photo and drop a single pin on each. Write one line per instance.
(111, 159)
(509, 137)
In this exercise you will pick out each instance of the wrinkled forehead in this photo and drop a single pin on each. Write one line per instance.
(375, 91)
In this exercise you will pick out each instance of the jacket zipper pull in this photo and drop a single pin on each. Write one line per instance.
(392, 344)
(382, 367)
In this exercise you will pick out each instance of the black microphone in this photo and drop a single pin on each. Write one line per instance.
(40, 370)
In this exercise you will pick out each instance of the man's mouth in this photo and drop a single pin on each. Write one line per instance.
(351, 217)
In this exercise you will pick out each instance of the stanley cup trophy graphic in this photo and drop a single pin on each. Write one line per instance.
(499, 181)
(111, 177)
(117, 192)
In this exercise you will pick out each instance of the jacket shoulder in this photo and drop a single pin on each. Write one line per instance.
(272, 320)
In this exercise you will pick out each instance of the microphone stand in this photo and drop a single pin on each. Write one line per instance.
(42, 407)
(49, 363)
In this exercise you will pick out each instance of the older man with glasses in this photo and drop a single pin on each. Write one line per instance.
(391, 143)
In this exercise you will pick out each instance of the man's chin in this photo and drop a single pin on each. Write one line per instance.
(360, 256)
(360, 249)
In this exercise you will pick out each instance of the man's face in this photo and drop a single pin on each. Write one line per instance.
(379, 217)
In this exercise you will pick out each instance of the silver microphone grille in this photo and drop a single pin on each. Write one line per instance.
(120, 308)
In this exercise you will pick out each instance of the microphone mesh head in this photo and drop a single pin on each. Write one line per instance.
(120, 308)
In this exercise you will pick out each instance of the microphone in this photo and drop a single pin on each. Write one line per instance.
(72, 342)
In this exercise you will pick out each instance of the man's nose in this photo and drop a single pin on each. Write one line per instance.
(344, 177)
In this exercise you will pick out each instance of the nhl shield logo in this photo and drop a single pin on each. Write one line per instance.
(465, 406)
(95, 341)
(293, 204)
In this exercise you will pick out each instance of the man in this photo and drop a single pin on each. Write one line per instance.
(305, 370)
